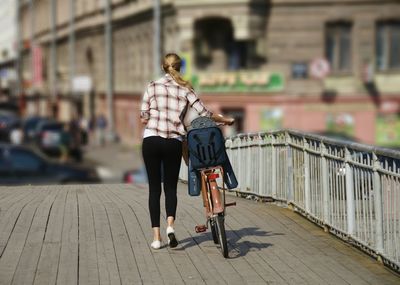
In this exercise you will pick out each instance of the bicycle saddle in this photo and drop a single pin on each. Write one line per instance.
(202, 122)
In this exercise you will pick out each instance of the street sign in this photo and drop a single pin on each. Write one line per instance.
(319, 68)
(81, 83)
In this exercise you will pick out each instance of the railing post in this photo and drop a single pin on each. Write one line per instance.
(249, 174)
(240, 165)
(290, 196)
(325, 184)
(261, 170)
(307, 189)
(349, 195)
(273, 167)
(378, 206)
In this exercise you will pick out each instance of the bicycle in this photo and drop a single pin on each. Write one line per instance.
(214, 202)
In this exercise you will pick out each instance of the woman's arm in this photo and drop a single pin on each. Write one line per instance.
(145, 108)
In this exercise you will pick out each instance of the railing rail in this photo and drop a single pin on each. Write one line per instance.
(350, 189)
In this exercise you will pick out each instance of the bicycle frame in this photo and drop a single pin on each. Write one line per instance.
(214, 204)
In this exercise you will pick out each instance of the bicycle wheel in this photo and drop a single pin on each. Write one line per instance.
(214, 231)
(220, 219)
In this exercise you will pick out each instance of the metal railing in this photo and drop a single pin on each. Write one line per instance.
(350, 189)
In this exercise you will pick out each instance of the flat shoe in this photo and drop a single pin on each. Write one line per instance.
(156, 244)
(172, 241)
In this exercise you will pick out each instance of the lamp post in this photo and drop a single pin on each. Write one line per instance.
(109, 68)
(71, 44)
(157, 38)
(18, 87)
(53, 57)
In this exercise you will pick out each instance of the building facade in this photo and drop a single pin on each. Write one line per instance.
(7, 47)
(314, 65)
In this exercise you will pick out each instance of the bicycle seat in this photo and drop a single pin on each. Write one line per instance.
(202, 122)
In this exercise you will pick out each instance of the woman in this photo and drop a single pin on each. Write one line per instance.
(163, 105)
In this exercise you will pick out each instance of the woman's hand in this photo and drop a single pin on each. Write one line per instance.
(221, 119)
(229, 121)
(144, 121)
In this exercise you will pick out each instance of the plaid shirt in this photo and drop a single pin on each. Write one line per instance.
(164, 104)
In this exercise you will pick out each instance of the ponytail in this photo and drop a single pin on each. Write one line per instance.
(172, 66)
(178, 78)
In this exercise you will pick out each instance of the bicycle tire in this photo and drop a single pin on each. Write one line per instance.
(220, 219)
(214, 230)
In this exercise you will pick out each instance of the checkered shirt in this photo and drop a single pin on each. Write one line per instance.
(164, 104)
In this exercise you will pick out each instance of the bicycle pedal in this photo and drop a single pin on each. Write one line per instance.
(200, 228)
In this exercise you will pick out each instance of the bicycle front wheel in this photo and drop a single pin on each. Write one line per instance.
(220, 220)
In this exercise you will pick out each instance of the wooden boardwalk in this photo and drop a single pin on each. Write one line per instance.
(101, 234)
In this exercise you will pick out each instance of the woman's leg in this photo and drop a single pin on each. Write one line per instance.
(171, 166)
(152, 160)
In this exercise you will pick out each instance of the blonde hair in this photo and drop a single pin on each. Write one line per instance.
(172, 65)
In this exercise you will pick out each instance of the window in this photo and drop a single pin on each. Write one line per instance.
(216, 48)
(388, 45)
(22, 160)
(338, 46)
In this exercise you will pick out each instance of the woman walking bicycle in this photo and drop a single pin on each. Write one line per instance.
(163, 106)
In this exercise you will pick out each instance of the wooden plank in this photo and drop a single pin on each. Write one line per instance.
(106, 258)
(313, 269)
(166, 267)
(69, 253)
(342, 258)
(26, 270)
(10, 217)
(146, 264)
(14, 247)
(127, 266)
(160, 261)
(201, 247)
(50, 255)
(253, 237)
(180, 262)
(242, 238)
(101, 235)
(226, 270)
(88, 272)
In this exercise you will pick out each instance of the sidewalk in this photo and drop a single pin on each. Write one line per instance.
(112, 160)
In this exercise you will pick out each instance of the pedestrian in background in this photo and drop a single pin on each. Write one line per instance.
(17, 135)
(163, 106)
(65, 143)
(101, 126)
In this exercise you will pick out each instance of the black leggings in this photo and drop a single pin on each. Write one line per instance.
(166, 153)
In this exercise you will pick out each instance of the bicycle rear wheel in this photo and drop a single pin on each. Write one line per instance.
(220, 220)
(214, 230)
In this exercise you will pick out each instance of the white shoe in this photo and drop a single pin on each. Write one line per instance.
(156, 244)
(172, 241)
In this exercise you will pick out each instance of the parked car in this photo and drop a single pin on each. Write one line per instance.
(29, 127)
(49, 135)
(24, 165)
(7, 123)
(135, 176)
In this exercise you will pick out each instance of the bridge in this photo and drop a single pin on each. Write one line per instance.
(309, 211)
(100, 234)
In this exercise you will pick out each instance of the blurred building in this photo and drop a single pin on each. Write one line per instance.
(7, 48)
(314, 65)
